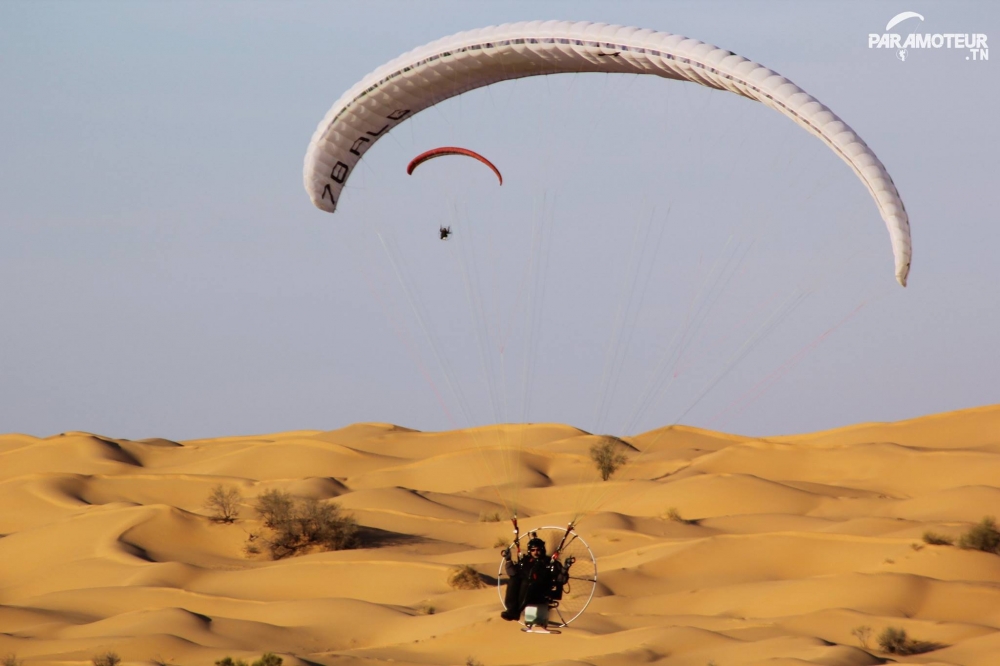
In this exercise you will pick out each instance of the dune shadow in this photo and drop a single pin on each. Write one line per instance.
(920, 647)
(308, 662)
(136, 550)
(373, 537)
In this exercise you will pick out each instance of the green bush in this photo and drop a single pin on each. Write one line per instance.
(607, 457)
(983, 536)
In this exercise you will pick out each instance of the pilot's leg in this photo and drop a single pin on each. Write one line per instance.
(512, 599)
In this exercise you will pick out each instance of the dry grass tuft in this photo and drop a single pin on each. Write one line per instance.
(107, 659)
(935, 539)
(675, 515)
(466, 577)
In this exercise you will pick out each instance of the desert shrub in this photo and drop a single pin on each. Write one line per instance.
(107, 659)
(935, 539)
(9, 660)
(863, 633)
(893, 640)
(466, 577)
(500, 543)
(675, 515)
(293, 525)
(268, 659)
(325, 524)
(983, 536)
(275, 508)
(427, 610)
(223, 503)
(252, 545)
(490, 517)
(472, 661)
(607, 457)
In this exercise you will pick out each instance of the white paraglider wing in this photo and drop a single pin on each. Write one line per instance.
(468, 60)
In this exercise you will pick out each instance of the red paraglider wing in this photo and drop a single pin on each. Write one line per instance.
(450, 150)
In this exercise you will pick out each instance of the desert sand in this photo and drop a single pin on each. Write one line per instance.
(776, 552)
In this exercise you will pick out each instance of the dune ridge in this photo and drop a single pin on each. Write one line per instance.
(712, 547)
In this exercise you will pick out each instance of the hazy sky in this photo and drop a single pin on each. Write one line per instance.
(163, 273)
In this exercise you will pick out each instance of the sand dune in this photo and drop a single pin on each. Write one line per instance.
(711, 547)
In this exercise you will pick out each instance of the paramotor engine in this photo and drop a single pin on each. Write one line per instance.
(575, 595)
